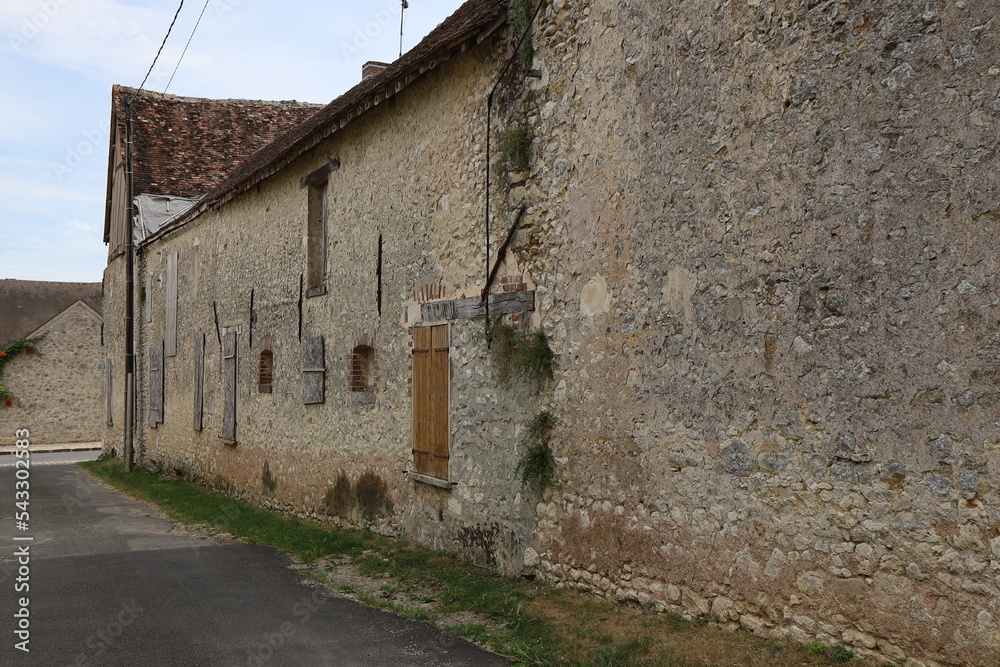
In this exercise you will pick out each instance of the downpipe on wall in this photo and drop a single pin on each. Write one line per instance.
(127, 453)
(489, 130)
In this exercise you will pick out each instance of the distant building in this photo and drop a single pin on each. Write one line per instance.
(59, 392)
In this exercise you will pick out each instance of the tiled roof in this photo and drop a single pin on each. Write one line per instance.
(468, 20)
(186, 146)
(26, 305)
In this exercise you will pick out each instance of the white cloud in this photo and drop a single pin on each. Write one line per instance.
(20, 119)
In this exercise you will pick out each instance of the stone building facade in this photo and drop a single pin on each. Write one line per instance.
(185, 146)
(58, 394)
(759, 237)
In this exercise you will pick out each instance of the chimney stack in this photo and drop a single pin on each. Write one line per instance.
(371, 68)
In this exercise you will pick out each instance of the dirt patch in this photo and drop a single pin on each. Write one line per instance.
(345, 579)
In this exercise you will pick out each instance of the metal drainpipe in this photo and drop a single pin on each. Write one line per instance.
(489, 125)
(486, 281)
(127, 455)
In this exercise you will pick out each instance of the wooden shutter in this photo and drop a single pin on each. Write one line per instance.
(313, 370)
(156, 384)
(199, 379)
(229, 386)
(170, 341)
(431, 377)
(108, 392)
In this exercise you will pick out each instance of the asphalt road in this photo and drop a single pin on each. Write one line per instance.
(111, 583)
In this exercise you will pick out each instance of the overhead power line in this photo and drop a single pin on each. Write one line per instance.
(187, 45)
(143, 84)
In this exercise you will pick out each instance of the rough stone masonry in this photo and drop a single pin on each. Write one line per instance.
(766, 244)
(762, 238)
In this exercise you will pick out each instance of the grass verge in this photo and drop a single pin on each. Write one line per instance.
(532, 623)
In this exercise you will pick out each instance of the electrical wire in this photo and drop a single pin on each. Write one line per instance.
(160, 50)
(186, 45)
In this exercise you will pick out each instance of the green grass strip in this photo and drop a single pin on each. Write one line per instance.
(562, 628)
(453, 583)
(193, 504)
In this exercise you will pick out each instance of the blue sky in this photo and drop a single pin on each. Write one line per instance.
(59, 59)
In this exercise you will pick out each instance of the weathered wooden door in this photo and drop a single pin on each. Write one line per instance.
(229, 386)
(431, 382)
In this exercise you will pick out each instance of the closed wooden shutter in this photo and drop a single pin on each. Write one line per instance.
(170, 335)
(108, 392)
(431, 378)
(229, 386)
(156, 384)
(199, 379)
(313, 370)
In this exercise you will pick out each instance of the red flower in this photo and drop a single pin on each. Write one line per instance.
(3, 354)
(40, 354)
(10, 402)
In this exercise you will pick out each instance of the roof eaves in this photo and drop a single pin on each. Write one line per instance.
(389, 82)
(152, 103)
(112, 145)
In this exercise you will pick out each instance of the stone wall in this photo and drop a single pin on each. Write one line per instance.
(59, 394)
(764, 237)
(406, 175)
(760, 238)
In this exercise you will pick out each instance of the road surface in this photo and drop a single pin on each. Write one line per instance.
(109, 582)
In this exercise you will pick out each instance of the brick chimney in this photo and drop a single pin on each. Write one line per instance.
(371, 68)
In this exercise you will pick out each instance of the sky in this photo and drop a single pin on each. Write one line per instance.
(59, 59)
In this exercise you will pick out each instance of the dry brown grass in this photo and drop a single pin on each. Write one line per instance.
(586, 627)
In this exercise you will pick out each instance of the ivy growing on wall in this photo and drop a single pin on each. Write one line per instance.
(25, 346)
(522, 354)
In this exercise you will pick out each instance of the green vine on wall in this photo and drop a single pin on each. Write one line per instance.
(526, 355)
(515, 147)
(25, 346)
(520, 13)
(537, 465)
(523, 354)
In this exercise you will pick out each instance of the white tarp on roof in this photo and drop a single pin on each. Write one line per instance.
(155, 211)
